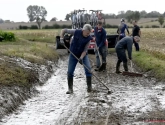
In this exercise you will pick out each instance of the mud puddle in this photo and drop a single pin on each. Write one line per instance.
(133, 101)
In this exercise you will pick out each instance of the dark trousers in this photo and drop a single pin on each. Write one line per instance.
(103, 53)
(136, 45)
(121, 55)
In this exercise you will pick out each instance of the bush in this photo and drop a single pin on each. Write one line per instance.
(23, 27)
(141, 26)
(147, 26)
(110, 26)
(7, 36)
(155, 26)
(34, 27)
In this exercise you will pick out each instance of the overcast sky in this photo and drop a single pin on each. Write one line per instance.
(15, 10)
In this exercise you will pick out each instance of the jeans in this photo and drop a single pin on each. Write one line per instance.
(103, 53)
(72, 65)
(121, 55)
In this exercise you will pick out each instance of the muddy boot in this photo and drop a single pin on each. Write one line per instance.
(125, 66)
(97, 68)
(101, 67)
(89, 83)
(104, 67)
(70, 86)
(118, 67)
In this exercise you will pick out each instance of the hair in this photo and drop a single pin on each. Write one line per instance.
(87, 27)
(134, 21)
(122, 20)
(138, 38)
(99, 22)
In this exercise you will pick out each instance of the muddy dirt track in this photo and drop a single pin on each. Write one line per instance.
(134, 100)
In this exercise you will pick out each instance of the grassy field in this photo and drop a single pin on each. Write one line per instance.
(37, 46)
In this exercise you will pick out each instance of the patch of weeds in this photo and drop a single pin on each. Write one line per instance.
(15, 75)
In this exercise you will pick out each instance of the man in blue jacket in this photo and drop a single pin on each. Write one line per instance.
(123, 45)
(121, 29)
(100, 38)
(79, 47)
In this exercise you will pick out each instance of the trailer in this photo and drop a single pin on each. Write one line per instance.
(110, 39)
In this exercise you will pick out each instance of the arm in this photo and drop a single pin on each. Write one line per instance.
(69, 31)
(129, 49)
(127, 29)
(118, 30)
(103, 39)
(85, 50)
(139, 33)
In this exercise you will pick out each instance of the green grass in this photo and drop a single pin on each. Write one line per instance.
(47, 36)
(39, 51)
(15, 75)
(148, 62)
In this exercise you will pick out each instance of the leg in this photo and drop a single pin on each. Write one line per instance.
(121, 58)
(97, 59)
(103, 53)
(104, 57)
(118, 66)
(124, 59)
(88, 73)
(71, 67)
(136, 46)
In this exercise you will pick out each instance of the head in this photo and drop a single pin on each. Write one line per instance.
(87, 28)
(136, 38)
(122, 20)
(134, 22)
(99, 24)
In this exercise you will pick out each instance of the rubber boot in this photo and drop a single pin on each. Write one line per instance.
(125, 66)
(104, 67)
(97, 68)
(70, 86)
(89, 83)
(118, 67)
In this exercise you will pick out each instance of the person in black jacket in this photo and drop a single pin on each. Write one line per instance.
(123, 45)
(136, 32)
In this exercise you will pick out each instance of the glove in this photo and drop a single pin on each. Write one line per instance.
(80, 61)
(62, 41)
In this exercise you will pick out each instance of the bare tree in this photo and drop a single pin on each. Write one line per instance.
(36, 13)
(161, 20)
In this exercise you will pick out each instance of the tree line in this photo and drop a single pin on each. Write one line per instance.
(38, 14)
(129, 15)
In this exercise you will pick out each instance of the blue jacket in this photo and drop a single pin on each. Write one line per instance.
(79, 42)
(122, 28)
(125, 43)
(100, 36)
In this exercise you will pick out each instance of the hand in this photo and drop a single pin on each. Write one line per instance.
(62, 41)
(80, 61)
